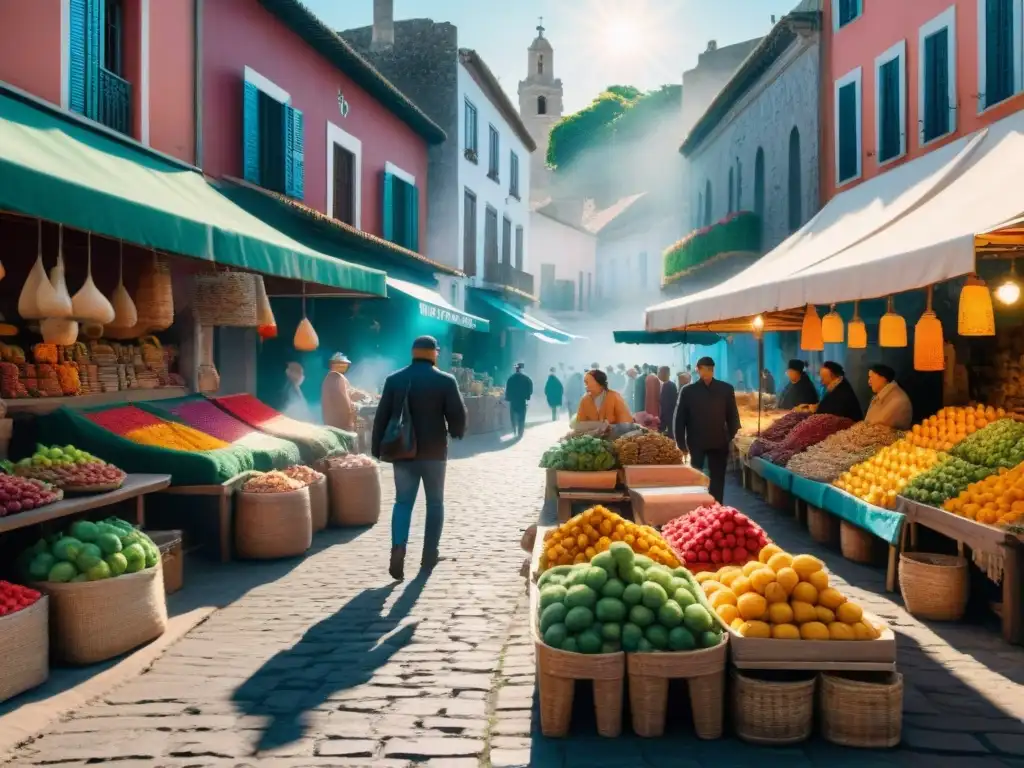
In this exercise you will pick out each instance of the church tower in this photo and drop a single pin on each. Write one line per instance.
(540, 107)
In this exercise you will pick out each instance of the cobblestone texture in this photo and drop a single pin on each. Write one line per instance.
(332, 665)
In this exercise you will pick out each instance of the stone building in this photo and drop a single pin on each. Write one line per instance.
(540, 107)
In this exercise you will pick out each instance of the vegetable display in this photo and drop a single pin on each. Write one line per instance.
(69, 468)
(838, 452)
(624, 601)
(14, 598)
(882, 477)
(272, 482)
(580, 454)
(22, 494)
(1000, 444)
(786, 598)
(589, 533)
(948, 478)
(951, 425)
(714, 535)
(996, 500)
(647, 448)
(303, 474)
(90, 552)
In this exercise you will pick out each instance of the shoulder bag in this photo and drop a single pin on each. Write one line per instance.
(399, 441)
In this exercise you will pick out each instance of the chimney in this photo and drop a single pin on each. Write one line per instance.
(383, 25)
(712, 44)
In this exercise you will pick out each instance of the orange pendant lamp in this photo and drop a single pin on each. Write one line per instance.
(976, 316)
(832, 327)
(892, 329)
(810, 332)
(929, 346)
(857, 337)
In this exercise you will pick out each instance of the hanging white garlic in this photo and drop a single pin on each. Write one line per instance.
(89, 304)
(52, 295)
(305, 339)
(125, 313)
(28, 307)
(59, 330)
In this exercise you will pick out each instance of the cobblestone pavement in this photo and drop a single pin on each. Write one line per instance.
(331, 664)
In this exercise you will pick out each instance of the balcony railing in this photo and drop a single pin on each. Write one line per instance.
(115, 105)
(501, 273)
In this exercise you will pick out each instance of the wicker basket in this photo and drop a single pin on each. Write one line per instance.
(704, 672)
(93, 621)
(862, 710)
(355, 495)
(169, 544)
(227, 299)
(778, 498)
(772, 711)
(856, 544)
(24, 636)
(319, 503)
(155, 298)
(558, 672)
(822, 525)
(272, 525)
(934, 586)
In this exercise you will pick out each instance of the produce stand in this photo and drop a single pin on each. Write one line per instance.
(223, 492)
(41, 405)
(886, 524)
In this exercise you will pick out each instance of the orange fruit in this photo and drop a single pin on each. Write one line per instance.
(805, 593)
(775, 593)
(805, 565)
(788, 578)
(825, 616)
(849, 613)
(780, 560)
(727, 613)
(814, 630)
(751, 606)
(803, 612)
(786, 632)
(839, 631)
(738, 622)
(723, 596)
(861, 631)
(712, 586)
(819, 580)
(728, 575)
(705, 576)
(761, 578)
(780, 613)
(767, 551)
(831, 598)
(740, 585)
(755, 629)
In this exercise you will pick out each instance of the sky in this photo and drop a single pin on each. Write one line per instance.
(597, 43)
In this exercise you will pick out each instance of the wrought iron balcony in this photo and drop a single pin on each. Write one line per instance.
(115, 104)
(500, 273)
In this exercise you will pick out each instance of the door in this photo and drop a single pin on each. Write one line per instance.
(344, 185)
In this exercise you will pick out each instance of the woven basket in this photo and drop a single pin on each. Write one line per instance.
(934, 586)
(856, 544)
(558, 672)
(355, 495)
(155, 298)
(862, 710)
(822, 525)
(93, 621)
(770, 711)
(24, 637)
(319, 503)
(228, 299)
(272, 525)
(172, 558)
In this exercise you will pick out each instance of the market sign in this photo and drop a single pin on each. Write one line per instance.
(447, 315)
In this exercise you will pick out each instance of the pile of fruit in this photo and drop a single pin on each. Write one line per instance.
(303, 474)
(624, 601)
(773, 436)
(884, 476)
(583, 537)
(580, 454)
(14, 598)
(996, 500)
(350, 461)
(951, 425)
(808, 432)
(1000, 444)
(272, 482)
(945, 480)
(90, 552)
(22, 494)
(647, 448)
(784, 597)
(835, 454)
(714, 535)
(69, 468)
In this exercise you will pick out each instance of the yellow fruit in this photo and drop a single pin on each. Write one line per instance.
(849, 613)
(825, 616)
(786, 632)
(710, 587)
(741, 585)
(761, 578)
(765, 554)
(775, 593)
(819, 580)
(862, 631)
(805, 593)
(780, 560)
(755, 629)
(752, 566)
(738, 622)
(727, 613)
(705, 576)
(728, 575)
(805, 565)
(723, 596)
(788, 578)
(803, 612)
(814, 630)
(780, 613)
(839, 631)
(751, 605)
(831, 598)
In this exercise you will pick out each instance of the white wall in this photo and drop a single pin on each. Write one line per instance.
(621, 274)
(570, 250)
(474, 175)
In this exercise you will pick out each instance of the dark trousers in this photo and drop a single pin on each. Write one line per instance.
(554, 413)
(517, 412)
(717, 459)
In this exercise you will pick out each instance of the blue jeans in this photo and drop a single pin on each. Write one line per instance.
(408, 475)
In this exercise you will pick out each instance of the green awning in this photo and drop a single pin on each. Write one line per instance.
(699, 338)
(525, 321)
(433, 305)
(55, 169)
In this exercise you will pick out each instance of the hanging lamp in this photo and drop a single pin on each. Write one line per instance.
(929, 346)
(892, 328)
(305, 339)
(832, 327)
(976, 316)
(1008, 291)
(810, 332)
(857, 332)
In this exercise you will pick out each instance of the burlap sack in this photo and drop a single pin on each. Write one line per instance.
(355, 495)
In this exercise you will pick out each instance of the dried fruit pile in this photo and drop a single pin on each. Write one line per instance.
(647, 448)
(770, 438)
(714, 535)
(350, 461)
(303, 474)
(272, 482)
(835, 454)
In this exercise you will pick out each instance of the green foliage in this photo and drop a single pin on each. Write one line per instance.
(737, 232)
(628, 92)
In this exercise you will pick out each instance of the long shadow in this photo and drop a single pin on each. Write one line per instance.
(339, 653)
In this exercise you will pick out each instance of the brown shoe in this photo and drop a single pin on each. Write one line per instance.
(397, 567)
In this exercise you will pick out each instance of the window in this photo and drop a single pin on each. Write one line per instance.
(891, 103)
(732, 192)
(937, 77)
(95, 47)
(542, 105)
(795, 195)
(113, 37)
(471, 132)
(1000, 55)
(343, 203)
(759, 182)
(506, 240)
(493, 165)
(707, 203)
(845, 11)
(519, 248)
(540, 63)
(344, 176)
(272, 147)
(455, 294)
(513, 175)
(491, 235)
(848, 127)
(401, 210)
(739, 185)
(469, 234)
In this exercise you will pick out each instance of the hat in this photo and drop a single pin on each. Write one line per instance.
(885, 371)
(835, 368)
(796, 365)
(705, 362)
(425, 342)
(520, 366)
(340, 357)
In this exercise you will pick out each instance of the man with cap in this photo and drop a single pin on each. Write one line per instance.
(839, 399)
(890, 405)
(706, 421)
(435, 409)
(518, 391)
(335, 394)
(800, 390)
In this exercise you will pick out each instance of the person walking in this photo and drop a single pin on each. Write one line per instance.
(669, 396)
(706, 422)
(652, 392)
(424, 405)
(640, 389)
(554, 391)
(518, 391)
(573, 389)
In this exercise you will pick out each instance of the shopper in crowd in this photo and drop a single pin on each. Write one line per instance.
(839, 399)
(706, 421)
(629, 389)
(652, 392)
(430, 399)
(890, 405)
(800, 390)
(601, 403)
(293, 402)
(740, 384)
(335, 397)
(640, 388)
(669, 396)
(554, 392)
(595, 366)
(518, 391)
(683, 378)
(767, 382)
(573, 389)
(617, 379)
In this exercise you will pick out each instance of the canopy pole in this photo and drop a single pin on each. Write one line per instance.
(760, 378)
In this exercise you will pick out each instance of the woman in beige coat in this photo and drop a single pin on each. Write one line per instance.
(335, 396)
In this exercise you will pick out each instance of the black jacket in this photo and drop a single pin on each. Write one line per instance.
(842, 401)
(518, 388)
(669, 396)
(553, 391)
(435, 405)
(801, 393)
(706, 416)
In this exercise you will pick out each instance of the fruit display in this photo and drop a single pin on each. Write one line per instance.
(70, 469)
(714, 535)
(1000, 444)
(835, 454)
(945, 480)
(580, 454)
(951, 425)
(272, 482)
(647, 448)
(23, 494)
(884, 476)
(14, 598)
(90, 552)
(624, 601)
(785, 597)
(581, 538)
(778, 431)
(808, 432)
(303, 474)
(996, 500)
(350, 461)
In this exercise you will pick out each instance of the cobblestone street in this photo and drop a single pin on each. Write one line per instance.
(330, 664)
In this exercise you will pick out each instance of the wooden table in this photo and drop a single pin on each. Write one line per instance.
(223, 493)
(135, 486)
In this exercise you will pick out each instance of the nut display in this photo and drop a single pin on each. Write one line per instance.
(647, 448)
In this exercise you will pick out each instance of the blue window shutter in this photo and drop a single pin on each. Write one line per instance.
(93, 56)
(412, 213)
(251, 134)
(387, 209)
(889, 98)
(294, 164)
(936, 94)
(998, 51)
(848, 156)
(299, 154)
(77, 55)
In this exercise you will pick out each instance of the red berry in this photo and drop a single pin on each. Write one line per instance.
(703, 557)
(727, 555)
(716, 556)
(740, 554)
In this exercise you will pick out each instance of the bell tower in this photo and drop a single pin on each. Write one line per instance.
(540, 106)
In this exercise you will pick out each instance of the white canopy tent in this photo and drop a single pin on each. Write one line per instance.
(908, 228)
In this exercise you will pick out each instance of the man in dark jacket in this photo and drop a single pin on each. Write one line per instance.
(669, 396)
(706, 421)
(518, 391)
(800, 390)
(839, 399)
(436, 411)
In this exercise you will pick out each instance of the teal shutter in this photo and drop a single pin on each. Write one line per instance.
(387, 208)
(998, 51)
(889, 105)
(251, 134)
(412, 217)
(294, 162)
(936, 85)
(93, 56)
(847, 149)
(77, 56)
